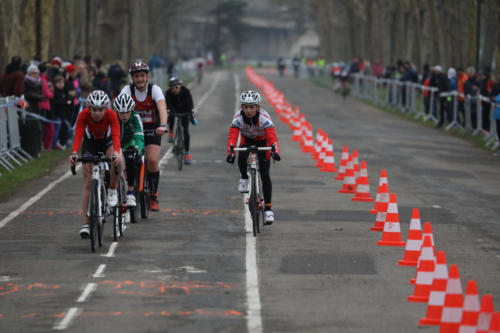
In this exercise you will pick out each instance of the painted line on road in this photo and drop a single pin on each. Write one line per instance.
(67, 319)
(111, 251)
(34, 199)
(208, 93)
(254, 316)
(89, 289)
(99, 273)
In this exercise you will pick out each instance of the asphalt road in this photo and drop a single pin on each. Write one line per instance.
(192, 267)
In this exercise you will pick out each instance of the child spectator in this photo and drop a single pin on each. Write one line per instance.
(61, 103)
(47, 90)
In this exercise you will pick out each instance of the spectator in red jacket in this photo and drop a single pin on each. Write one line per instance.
(12, 82)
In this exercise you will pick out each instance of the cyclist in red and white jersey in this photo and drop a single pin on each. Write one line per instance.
(99, 128)
(256, 128)
(151, 106)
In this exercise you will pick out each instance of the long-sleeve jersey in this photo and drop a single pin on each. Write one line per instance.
(258, 128)
(93, 130)
(132, 132)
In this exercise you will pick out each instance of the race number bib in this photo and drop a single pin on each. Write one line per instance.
(146, 116)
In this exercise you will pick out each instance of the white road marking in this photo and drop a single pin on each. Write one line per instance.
(68, 318)
(192, 269)
(89, 289)
(436, 206)
(254, 316)
(99, 272)
(34, 199)
(6, 278)
(111, 251)
(208, 93)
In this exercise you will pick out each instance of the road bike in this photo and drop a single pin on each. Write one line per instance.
(142, 186)
(179, 143)
(98, 205)
(255, 202)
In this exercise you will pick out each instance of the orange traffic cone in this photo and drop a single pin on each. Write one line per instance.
(438, 292)
(453, 303)
(382, 180)
(343, 164)
(413, 242)
(362, 185)
(355, 163)
(317, 144)
(382, 211)
(392, 232)
(322, 154)
(294, 118)
(485, 312)
(425, 273)
(427, 231)
(297, 131)
(495, 323)
(329, 161)
(471, 308)
(307, 142)
(349, 185)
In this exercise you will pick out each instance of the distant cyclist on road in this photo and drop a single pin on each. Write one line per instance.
(131, 140)
(151, 106)
(99, 128)
(179, 100)
(256, 128)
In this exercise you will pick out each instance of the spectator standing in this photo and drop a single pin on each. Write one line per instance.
(378, 69)
(84, 79)
(60, 104)
(461, 80)
(452, 86)
(439, 80)
(117, 77)
(56, 64)
(30, 127)
(12, 81)
(33, 88)
(426, 78)
(44, 106)
(485, 89)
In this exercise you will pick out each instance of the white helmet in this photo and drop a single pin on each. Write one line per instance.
(250, 97)
(98, 99)
(123, 103)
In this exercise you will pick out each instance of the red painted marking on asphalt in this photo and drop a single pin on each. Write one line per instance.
(184, 313)
(117, 284)
(59, 315)
(8, 288)
(147, 314)
(165, 313)
(30, 315)
(1, 315)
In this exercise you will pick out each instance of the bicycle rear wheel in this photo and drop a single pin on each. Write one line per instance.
(101, 218)
(179, 146)
(144, 194)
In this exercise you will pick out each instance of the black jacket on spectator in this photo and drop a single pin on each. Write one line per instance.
(181, 103)
(440, 81)
(33, 94)
(471, 86)
(61, 103)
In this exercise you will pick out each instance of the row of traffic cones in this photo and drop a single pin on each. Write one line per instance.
(433, 283)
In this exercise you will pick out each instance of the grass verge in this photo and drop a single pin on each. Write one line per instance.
(36, 168)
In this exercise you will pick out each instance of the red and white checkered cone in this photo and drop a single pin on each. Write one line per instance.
(414, 241)
(343, 164)
(362, 185)
(382, 180)
(391, 235)
(438, 292)
(471, 309)
(485, 312)
(453, 303)
(382, 211)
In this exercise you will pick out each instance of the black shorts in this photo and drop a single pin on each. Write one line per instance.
(91, 147)
(151, 139)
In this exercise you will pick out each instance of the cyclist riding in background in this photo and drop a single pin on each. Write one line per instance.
(179, 100)
(256, 128)
(151, 106)
(99, 128)
(131, 140)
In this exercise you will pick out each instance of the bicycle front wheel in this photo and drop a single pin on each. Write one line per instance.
(93, 213)
(179, 146)
(253, 203)
(101, 218)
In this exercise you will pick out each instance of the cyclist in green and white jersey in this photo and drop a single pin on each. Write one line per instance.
(131, 139)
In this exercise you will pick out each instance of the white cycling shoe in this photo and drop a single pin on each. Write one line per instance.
(85, 231)
(131, 200)
(112, 197)
(243, 185)
(269, 218)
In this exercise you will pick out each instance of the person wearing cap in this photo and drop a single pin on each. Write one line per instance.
(33, 88)
(179, 100)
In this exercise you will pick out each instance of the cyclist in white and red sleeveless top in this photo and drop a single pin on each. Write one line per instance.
(151, 106)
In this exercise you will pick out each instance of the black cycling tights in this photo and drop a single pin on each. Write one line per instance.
(185, 125)
(131, 168)
(264, 166)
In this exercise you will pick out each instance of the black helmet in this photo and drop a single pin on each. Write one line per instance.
(174, 81)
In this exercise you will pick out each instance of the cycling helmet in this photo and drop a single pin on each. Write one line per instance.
(250, 97)
(123, 103)
(98, 99)
(138, 66)
(174, 81)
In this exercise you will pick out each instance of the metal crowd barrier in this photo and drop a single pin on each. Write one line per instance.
(424, 102)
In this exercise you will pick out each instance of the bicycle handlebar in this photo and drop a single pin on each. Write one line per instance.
(92, 159)
(180, 115)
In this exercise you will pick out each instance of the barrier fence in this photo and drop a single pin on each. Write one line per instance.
(463, 112)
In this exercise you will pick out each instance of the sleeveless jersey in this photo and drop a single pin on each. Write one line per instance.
(147, 109)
